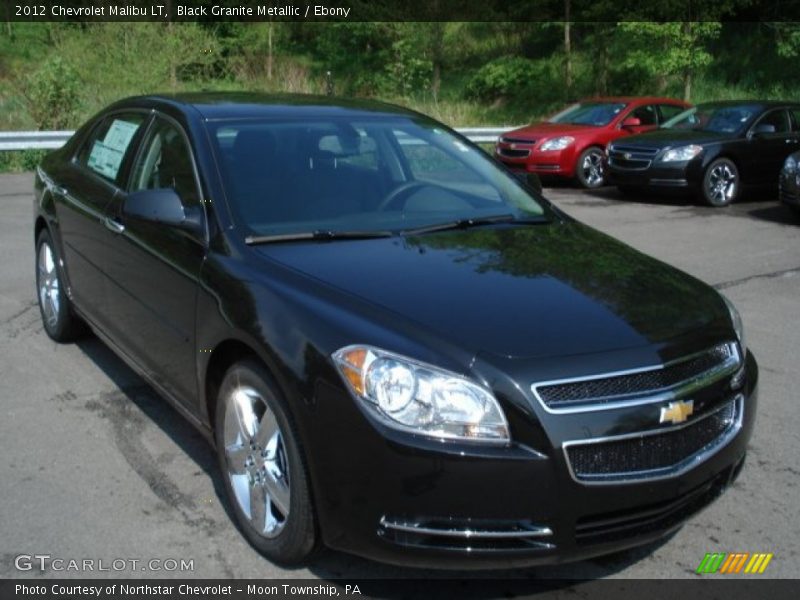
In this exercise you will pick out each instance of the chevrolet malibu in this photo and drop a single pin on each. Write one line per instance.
(397, 349)
(712, 151)
(571, 143)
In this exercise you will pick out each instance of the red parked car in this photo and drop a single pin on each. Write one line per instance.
(571, 143)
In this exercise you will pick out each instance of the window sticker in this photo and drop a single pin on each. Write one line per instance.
(106, 156)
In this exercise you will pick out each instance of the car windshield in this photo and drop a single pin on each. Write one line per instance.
(716, 118)
(589, 113)
(340, 175)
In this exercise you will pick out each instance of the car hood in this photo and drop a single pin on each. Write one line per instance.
(515, 291)
(537, 131)
(664, 138)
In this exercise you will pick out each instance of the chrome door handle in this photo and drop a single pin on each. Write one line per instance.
(61, 191)
(113, 225)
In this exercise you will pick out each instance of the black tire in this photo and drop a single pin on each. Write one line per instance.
(721, 183)
(58, 317)
(296, 540)
(590, 170)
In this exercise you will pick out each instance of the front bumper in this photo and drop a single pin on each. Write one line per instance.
(638, 170)
(527, 158)
(789, 193)
(418, 502)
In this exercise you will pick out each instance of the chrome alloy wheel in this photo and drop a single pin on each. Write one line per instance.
(721, 184)
(47, 279)
(257, 466)
(592, 169)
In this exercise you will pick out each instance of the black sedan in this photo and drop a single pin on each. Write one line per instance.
(397, 348)
(789, 182)
(711, 150)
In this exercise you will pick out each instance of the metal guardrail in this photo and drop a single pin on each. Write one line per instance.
(50, 140)
(33, 140)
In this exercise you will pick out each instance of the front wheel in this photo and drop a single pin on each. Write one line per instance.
(721, 184)
(263, 467)
(590, 168)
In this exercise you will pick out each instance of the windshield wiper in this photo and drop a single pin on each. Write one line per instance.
(319, 234)
(473, 222)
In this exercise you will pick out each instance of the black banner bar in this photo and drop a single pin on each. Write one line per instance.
(730, 588)
(397, 10)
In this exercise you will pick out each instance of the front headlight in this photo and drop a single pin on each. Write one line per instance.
(790, 164)
(412, 396)
(558, 143)
(738, 326)
(682, 153)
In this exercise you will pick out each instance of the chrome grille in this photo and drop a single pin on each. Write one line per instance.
(633, 158)
(648, 384)
(655, 453)
(513, 140)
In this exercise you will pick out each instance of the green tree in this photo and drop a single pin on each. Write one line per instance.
(671, 49)
(787, 38)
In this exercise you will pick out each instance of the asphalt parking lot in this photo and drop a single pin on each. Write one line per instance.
(96, 466)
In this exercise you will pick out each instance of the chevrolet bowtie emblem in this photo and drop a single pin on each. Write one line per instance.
(676, 412)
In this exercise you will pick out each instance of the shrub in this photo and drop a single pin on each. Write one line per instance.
(52, 94)
(21, 160)
(502, 77)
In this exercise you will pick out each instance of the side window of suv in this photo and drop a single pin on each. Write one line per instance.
(166, 162)
(105, 149)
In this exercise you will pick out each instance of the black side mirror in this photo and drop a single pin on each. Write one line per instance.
(530, 180)
(762, 129)
(163, 206)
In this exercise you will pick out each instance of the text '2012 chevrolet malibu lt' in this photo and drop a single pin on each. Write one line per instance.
(397, 349)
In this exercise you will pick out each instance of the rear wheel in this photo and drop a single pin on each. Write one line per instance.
(721, 184)
(59, 320)
(263, 467)
(590, 168)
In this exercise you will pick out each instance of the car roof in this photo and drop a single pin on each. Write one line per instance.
(761, 103)
(636, 99)
(238, 105)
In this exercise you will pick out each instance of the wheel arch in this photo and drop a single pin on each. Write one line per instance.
(39, 225)
(223, 356)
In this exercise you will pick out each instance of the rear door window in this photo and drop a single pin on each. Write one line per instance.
(110, 143)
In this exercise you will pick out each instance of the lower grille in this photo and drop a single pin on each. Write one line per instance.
(629, 164)
(513, 153)
(609, 527)
(468, 535)
(653, 454)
